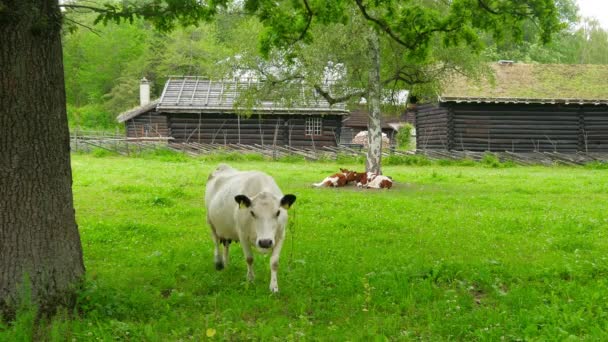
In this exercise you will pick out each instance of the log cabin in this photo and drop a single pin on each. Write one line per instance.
(194, 109)
(523, 108)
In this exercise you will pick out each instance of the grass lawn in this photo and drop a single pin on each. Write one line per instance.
(450, 253)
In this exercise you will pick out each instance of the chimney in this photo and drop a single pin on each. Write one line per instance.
(144, 92)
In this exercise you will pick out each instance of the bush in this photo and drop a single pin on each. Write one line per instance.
(406, 160)
(597, 165)
(404, 136)
(491, 160)
(163, 154)
(101, 152)
(350, 159)
(91, 116)
(293, 158)
(229, 156)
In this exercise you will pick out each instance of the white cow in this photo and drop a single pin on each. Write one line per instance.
(248, 207)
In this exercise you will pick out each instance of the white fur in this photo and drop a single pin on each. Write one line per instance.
(375, 182)
(333, 180)
(230, 221)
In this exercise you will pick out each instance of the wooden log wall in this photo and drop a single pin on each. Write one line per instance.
(262, 130)
(432, 127)
(149, 124)
(595, 129)
(513, 127)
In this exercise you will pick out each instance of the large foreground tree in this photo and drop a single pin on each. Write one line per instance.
(406, 41)
(39, 240)
(40, 249)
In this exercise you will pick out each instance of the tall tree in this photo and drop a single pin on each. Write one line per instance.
(39, 240)
(417, 30)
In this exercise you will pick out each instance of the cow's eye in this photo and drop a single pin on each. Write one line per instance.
(278, 213)
(252, 214)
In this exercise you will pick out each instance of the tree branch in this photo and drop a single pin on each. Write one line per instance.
(333, 100)
(388, 30)
(83, 25)
(384, 26)
(91, 8)
(485, 6)
(308, 22)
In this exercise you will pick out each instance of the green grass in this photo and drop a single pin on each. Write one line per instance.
(450, 253)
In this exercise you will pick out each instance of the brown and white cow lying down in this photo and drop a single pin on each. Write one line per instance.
(374, 181)
(338, 179)
(248, 207)
(362, 179)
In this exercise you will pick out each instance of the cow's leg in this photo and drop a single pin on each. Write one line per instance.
(217, 257)
(249, 258)
(226, 250)
(274, 265)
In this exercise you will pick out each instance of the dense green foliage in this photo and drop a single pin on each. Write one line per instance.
(103, 68)
(404, 136)
(450, 253)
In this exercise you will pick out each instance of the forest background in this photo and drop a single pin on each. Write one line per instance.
(104, 63)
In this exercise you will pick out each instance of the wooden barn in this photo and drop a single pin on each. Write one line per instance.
(527, 107)
(193, 109)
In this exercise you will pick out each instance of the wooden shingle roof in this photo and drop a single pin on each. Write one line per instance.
(196, 94)
(533, 83)
(133, 112)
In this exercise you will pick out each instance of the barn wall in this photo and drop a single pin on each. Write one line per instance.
(263, 130)
(149, 124)
(432, 127)
(513, 127)
(517, 128)
(595, 129)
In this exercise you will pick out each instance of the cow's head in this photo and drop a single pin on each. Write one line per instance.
(266, 214)
(351, 175)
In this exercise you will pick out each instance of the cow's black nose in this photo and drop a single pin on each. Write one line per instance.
(266, 243)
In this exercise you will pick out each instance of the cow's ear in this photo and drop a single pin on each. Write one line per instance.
(243, 201)
(287, 201)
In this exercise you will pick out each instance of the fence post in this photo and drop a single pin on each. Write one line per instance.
(76, 139)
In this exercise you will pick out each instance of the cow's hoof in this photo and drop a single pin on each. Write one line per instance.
(274, 289)
(219, 265)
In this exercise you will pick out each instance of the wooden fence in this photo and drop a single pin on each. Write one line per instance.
(279, 151)
(521, 158)
(86, 141)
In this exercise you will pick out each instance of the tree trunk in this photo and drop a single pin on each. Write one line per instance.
(374, 128)
(39, 239)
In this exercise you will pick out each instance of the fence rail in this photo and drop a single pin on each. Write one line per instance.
(278, 151)
(521, 158)
(86, 141)
(89, 140)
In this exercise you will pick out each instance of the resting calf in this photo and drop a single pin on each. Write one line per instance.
(374, 181)
(249, 207)
(338, 179)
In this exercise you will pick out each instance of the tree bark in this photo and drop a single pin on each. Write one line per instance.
(39, 239)
(374, 128)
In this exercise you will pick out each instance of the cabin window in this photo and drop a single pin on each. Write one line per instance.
(313, 126)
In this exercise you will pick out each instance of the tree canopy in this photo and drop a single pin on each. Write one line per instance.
(103, 67)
